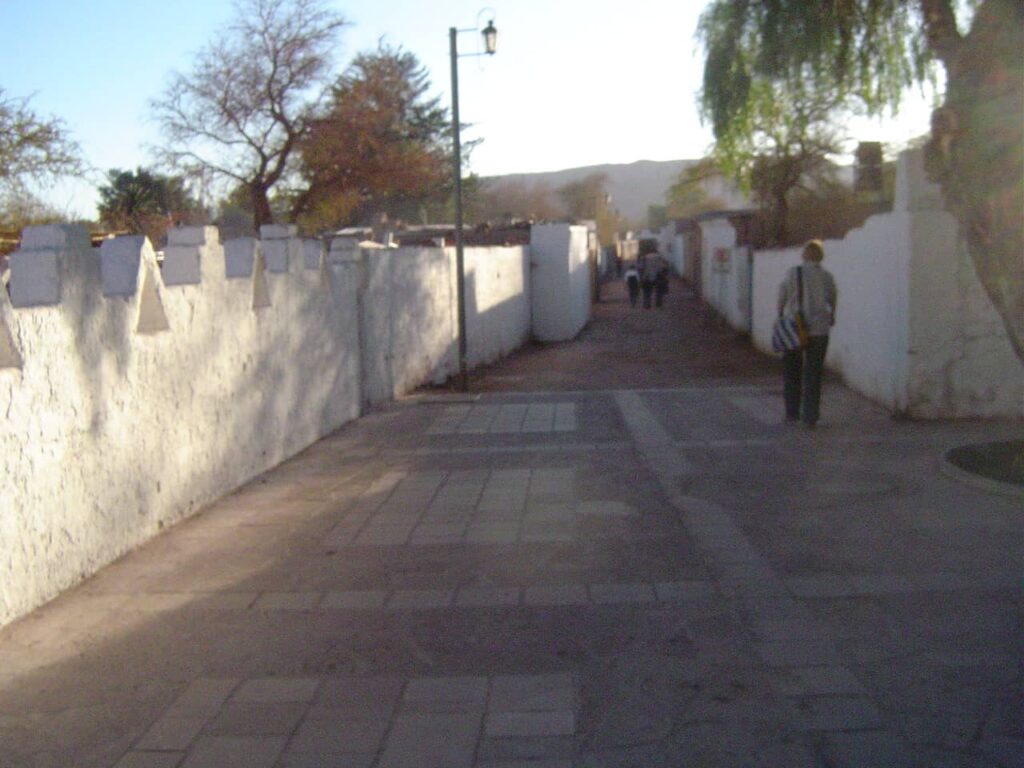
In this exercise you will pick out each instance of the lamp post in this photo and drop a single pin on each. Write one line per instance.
(490, 35)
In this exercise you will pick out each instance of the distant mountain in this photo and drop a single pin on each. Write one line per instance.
(633, 186)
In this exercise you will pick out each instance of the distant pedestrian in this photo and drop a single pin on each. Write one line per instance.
(648, 276)
(633, 284)
(811, 290)
(660, 282)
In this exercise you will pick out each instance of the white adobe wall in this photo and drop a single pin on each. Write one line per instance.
(869, 341)
(498, 302)
(409, 313)
(915, 330)
(114, 431)
(135, 394)
(961, 361)
(559, 281)
(728, 291)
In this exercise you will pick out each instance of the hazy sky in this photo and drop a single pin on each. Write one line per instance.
(574, 82)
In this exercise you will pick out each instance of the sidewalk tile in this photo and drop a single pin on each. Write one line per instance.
(797, 653)
(487, 597)
(150, 760)
(606, 509)
(354, 600)
(287, 601)
(869, 749)
(838, 713)
(373, 697)
(340, 736)
(326, 760)
(492, 533)
(203, 698)
(524, 750)
(431, 741)
(234, 752)
(821, 680)
(670, 591)
(277, 689)
(420, 598)
(171, 733)
(544, 723)
(444, 695)
(532, 693)
(570, 594)
(823, 585)
(256, 719)
(384, 535)
(621, 593)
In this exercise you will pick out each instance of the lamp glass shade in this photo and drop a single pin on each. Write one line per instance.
(490, 37)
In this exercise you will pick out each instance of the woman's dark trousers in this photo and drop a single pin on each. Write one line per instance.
(648, 288)
(802, 373)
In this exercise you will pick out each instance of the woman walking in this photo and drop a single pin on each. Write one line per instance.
(810, 290)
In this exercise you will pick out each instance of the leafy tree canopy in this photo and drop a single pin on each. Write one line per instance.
(242, 110)
(145, 202)
(33, 148)
(381, 144)
(872, 50)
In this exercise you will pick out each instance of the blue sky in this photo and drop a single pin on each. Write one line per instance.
(575, 82)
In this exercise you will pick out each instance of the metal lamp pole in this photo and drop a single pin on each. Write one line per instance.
(490, 41)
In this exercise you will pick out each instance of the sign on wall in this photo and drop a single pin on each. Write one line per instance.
(721, 260)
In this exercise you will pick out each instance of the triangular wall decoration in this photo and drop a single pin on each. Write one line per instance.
(325, 276)
(9, 356)
(260, 289)
(152, 318)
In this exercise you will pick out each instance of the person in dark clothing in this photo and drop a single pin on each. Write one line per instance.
(648, 276)
(633, 284)
(810, 290)
(661, 283)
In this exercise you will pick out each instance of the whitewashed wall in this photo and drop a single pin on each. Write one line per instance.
(726, 285)
(915, 330)
(869, 342)
(113, 430)
(135, 394)
(559, 281)
(409, 313)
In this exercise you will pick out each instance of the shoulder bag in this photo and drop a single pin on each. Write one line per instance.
(789, 334)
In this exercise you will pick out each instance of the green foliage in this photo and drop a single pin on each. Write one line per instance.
(381, 145)
(657, 216)
(687, 196)
(145, 202)
(32, 148)
(241, 111)
(582, 199)
(588, 199)
(504, 199)
(872, 49)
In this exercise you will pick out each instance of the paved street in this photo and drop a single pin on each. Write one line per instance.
(612, 554)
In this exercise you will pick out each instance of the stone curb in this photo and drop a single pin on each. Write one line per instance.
(949, 469)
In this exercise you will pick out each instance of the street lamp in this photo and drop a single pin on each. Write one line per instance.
(490, 35)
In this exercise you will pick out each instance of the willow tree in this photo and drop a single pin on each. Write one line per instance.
(873, 50)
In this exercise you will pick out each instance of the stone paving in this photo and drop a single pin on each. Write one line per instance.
(583, 577)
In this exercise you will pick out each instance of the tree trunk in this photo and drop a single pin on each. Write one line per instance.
(260, 206)
(976, 153)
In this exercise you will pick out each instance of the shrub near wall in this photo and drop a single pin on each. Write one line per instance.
(135, 395)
